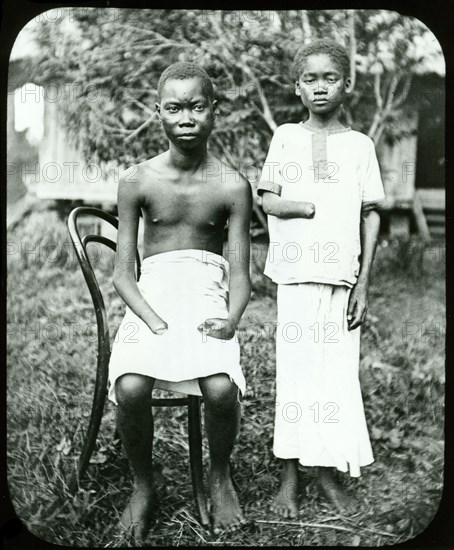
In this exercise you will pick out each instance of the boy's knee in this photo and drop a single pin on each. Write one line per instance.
(133, 391)
(220, 394)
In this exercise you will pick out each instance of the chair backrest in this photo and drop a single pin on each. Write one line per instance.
(80, 247)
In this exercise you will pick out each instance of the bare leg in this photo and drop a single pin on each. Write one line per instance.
(333, 491)
(222, 420)
(286, 501)
(135, 426)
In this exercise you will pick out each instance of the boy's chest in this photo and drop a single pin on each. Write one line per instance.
(320, 169)
(197, 204)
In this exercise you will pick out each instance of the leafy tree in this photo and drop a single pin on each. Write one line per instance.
(108, 67)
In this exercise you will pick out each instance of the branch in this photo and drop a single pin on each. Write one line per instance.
(134, 28)
(378, 132)
(391, 91)
(141, 127)
(379, 102)
(143, 106)
(378, 124)
(158, 35)
(266, 114)
(303, 524)
(228, 157)
(404, 94)
(307, 31)
(158, 45)
(322, 526)
(351, 21)
(377, 91)
(215, 25)
(115, 128)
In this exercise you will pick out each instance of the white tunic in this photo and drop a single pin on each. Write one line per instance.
(338, 172)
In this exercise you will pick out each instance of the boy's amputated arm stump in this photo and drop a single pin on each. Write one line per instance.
(274, 205)
(129, 203)
(238, 257)
(357, 305)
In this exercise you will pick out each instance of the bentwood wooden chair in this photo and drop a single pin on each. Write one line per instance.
(102, 369)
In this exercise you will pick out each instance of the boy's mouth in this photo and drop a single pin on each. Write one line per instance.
(320, 100)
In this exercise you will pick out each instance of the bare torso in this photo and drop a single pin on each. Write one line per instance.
(183, 210)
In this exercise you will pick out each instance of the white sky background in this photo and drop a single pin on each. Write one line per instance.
(28, 100)
(29, 112)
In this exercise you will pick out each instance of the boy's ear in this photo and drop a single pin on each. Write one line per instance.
(214, 103)
(348, 85)
(158, 110)
(297, 88)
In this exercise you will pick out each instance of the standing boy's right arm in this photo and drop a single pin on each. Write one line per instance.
(271, 181)
(124, 280)
(274, 205)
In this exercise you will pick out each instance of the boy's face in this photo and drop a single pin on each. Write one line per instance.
(186, 113)
(322, 85)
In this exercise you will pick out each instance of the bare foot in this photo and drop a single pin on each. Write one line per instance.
(136, 518)
(285, 503)
(225, 507)
(334, 492)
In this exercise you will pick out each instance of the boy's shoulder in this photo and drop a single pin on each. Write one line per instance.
(360, 138)
(287, 133)
(230, 177)
(287, 128)
(138, 172)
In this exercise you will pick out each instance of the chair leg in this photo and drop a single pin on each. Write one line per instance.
(195, 455)
(97, 410)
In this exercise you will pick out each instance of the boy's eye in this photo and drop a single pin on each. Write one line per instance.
(172, 109)
(198, 108)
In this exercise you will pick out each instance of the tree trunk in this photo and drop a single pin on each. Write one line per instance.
(307, 31)
(352, 36)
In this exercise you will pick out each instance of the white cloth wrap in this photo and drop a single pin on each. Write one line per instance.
(319, 409)
(184, 287)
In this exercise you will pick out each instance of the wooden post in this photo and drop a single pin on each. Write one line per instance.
(420, 218)
(399, 223)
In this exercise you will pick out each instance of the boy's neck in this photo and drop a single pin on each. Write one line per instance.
(187, 161)
(326, 121)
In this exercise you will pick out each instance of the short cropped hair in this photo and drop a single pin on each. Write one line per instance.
(183, 71)
(333, 49)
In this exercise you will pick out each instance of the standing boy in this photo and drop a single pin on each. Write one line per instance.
(321, 188)
(182, 314)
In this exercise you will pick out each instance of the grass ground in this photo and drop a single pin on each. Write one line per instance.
(51, 357)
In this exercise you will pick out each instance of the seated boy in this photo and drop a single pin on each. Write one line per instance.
(181, 316)
(320, 255)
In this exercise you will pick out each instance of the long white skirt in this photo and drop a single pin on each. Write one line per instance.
(319, 409)
(184, 287)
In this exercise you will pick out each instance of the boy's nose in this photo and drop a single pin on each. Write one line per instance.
(186, 118)
(321, 86)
